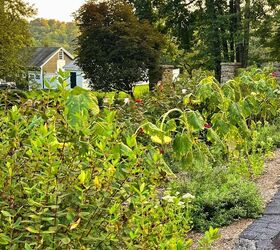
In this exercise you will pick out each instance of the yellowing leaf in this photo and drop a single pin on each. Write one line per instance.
(82, 177)
(186, 99)
(75, 224)
(96, 182)
(32, 230)
(163, 140)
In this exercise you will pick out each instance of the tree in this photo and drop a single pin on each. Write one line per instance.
(226, 30)
(54, 33)
(172, 17)
(115, 49)
(268, 33)
(14, 35)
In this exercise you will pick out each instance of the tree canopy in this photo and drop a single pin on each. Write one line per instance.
(14, 35)
(115, 48)
(214, 31)
(53, 33)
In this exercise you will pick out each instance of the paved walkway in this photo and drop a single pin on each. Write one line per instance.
(264, 233)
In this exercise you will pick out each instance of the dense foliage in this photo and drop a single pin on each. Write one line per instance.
(74, 176)
(53, 33)
(215, 31)
(215, 133)
(115, 49)
(14, 36)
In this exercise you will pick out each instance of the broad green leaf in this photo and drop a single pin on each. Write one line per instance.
(182, 144)
(170, 126)
(47, 83)
(125, 149)
(142, 187)
(207, 88)
(78, 105)
(213, 137)
(166, 168)
(195, 120)
(131, 141)
(235, 112)
(152, 129)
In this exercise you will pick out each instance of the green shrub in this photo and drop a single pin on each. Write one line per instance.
(72, 178)
(230, 201)
(222, 198)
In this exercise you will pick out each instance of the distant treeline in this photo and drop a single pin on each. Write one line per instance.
(53, 33)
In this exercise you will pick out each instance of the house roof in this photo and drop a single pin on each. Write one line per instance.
(40, 55)
(72, 66)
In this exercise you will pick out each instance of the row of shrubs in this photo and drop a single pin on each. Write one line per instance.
(138, 174)
(221, 136)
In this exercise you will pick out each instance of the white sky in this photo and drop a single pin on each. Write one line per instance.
(61, 10)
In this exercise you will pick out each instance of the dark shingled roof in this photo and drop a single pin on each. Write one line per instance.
(38, 56)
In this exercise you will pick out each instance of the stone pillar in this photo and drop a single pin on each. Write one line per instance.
(167, 74)
(277, 72)
(229, 71)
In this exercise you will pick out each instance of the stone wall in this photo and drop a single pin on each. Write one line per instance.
(229, 71)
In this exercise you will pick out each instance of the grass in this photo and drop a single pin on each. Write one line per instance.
(138, 92)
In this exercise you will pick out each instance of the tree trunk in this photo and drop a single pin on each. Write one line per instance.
(232, 30)
(239, 43)
(247, 16)
(223, 28)
(214, 38)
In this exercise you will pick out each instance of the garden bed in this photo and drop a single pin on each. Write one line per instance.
(268, 185)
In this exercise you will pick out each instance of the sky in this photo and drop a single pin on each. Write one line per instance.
(56, 9)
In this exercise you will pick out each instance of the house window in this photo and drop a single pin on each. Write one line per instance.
(61, 55)
(31, 77)
(38, 77)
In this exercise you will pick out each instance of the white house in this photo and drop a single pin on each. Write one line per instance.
(76, 76)
(44, 63)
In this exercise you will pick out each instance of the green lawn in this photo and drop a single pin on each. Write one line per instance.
(138, 92)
